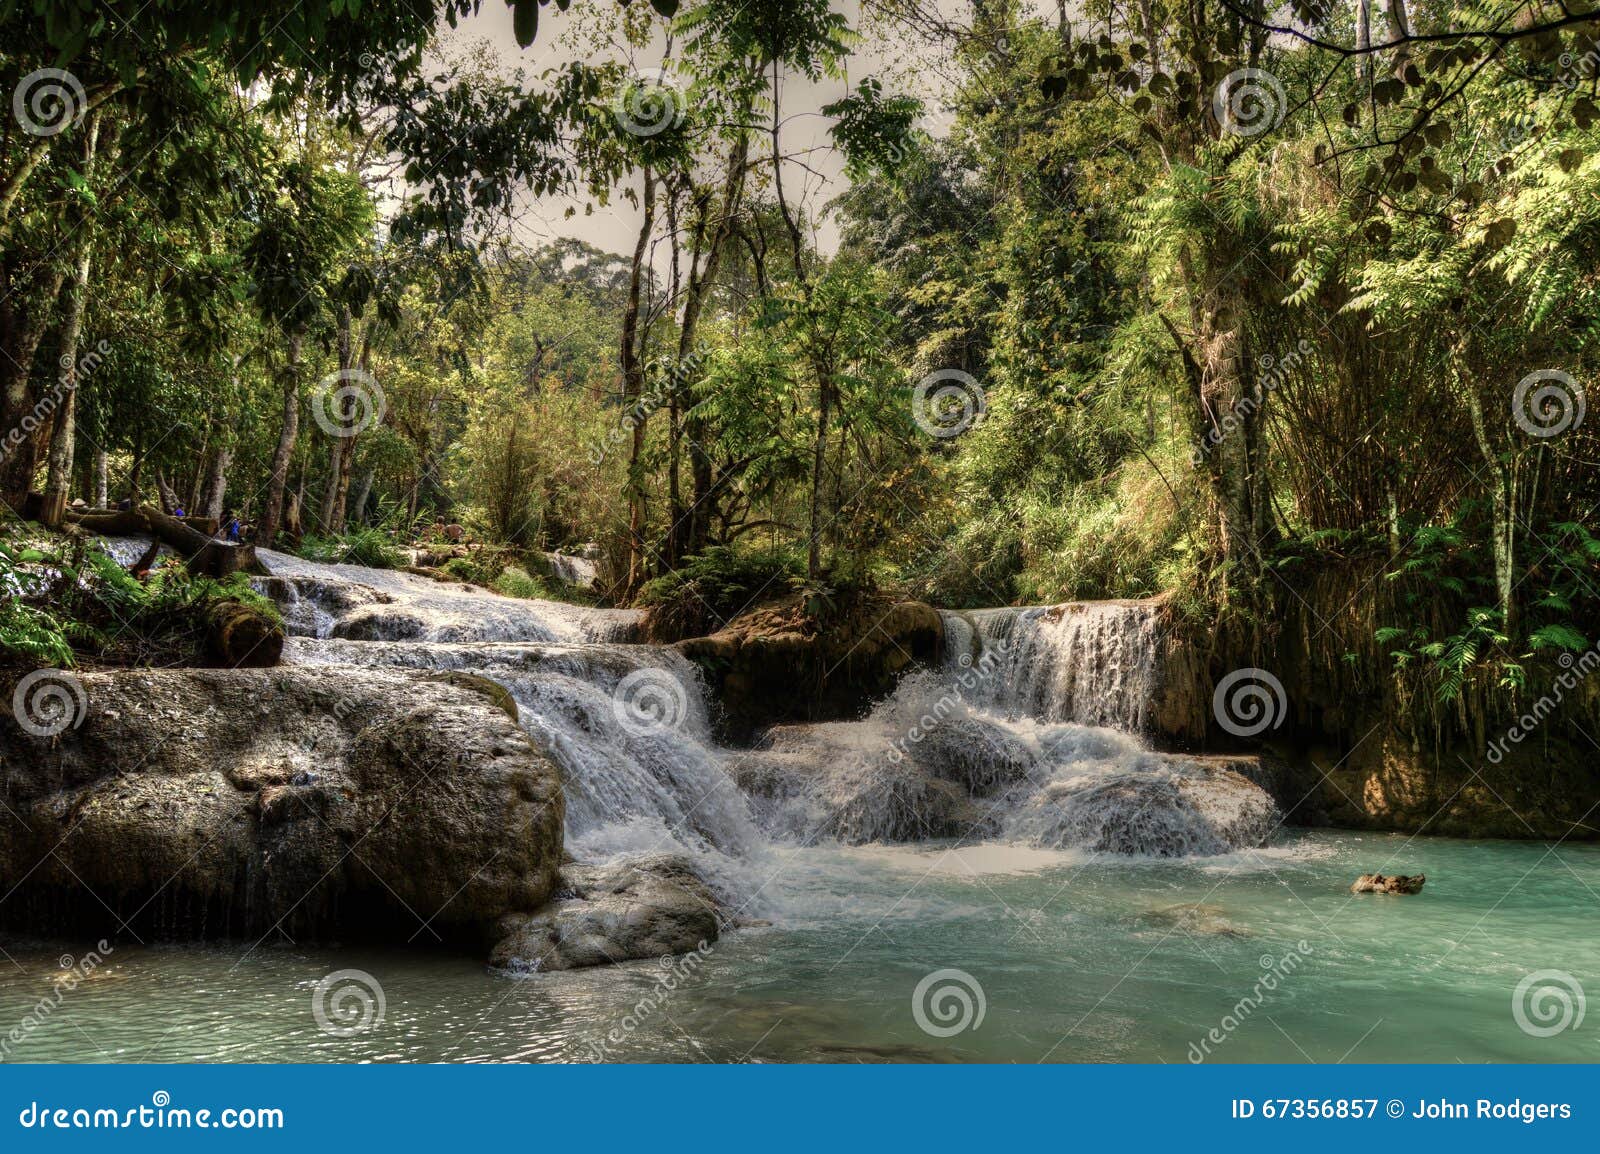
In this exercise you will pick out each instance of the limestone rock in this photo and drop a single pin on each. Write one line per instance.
(330, 803)
(1388, 884)
(648, 907)
(775, 664)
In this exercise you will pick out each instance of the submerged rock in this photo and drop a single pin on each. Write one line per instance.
(327, 803)
(1388, 884)
(1199, 918)
(648, 907)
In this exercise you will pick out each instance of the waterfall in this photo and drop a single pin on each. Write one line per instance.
(357, 603)
(578, 571)
(1093, 662)
(1028, 733)
(630, 729)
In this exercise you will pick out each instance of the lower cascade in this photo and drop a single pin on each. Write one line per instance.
(1027, 734)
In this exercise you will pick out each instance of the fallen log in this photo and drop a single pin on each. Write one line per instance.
(203, 554)
(241, 637)
(112, 523)
(201, 551)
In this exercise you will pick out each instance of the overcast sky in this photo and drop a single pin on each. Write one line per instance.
(615, 227)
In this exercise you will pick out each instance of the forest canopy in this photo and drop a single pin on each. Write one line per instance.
(1245, 306)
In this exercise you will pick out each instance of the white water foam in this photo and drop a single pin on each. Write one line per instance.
(355, 602)
(1026, 737)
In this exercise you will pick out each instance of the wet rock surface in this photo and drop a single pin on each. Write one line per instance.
(1388, 884)
(648, 907)
(775, 665)
(329, 803)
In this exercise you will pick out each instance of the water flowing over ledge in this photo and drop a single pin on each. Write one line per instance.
(1026, 735)
(352, 601)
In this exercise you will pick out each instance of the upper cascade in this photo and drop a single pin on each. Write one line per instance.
(362, 604)
(1090, 662)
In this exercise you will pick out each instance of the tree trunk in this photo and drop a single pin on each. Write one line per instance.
(331, 516)
(633, 387)
(358, 507)
(63, 438)
(691, 529)
(278, 478)
(217, 490)
(22, 332)
(818, 456)
(102, 479)
(1503, 497)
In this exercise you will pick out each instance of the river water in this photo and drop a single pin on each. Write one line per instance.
(1098, 901)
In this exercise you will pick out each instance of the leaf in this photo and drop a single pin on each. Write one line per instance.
(1557, 637)
(525, 21)
(1500, 232)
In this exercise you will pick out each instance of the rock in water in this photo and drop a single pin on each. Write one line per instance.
(648, 907)
(331, 803)
(1388, 884)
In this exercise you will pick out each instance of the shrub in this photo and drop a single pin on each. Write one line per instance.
(369, 546)
(715, 586)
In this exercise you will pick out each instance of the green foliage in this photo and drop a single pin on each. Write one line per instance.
(713, 587)
(98, 611)
(369, 545)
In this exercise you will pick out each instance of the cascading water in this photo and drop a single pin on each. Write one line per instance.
(1025, 735)
(358, 603)
(1093, 662)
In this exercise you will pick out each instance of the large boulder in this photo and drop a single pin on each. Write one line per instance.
(779, 664)
(646, 907)
(328, 803)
